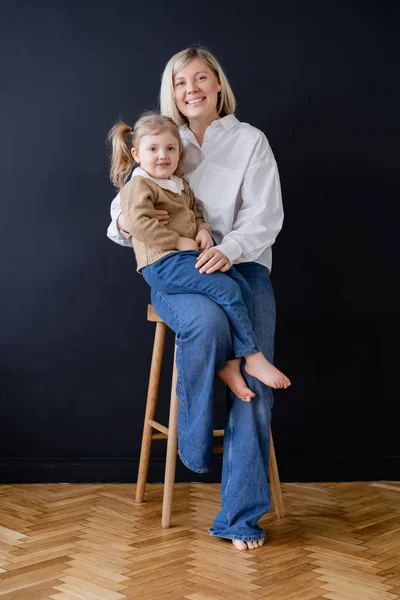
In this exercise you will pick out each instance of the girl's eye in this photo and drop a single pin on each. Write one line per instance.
(171, 148)
(152, 149)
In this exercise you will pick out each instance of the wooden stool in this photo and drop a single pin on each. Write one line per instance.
(170, 433)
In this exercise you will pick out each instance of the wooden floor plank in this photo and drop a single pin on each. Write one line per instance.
(339, 541)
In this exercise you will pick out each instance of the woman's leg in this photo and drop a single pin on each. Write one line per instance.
(245, 495)
(204, 344)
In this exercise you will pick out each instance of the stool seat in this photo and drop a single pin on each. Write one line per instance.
(170, 433)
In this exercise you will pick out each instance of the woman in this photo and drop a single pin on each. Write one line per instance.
(233, 173)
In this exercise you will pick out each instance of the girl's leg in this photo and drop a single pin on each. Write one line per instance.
(245, 496)
(204, 344)
(231, 373)
(176, 273)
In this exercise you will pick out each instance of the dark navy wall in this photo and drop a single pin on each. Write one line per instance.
(320, 79)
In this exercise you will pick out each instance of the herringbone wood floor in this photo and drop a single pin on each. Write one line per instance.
(339, 541)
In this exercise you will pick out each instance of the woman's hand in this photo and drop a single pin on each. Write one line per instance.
(212, 260)
(162, 216)
(121, 223)
(204, 240)
(185, 243)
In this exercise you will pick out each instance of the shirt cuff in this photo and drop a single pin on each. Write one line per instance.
(124, 234)
(231, 249)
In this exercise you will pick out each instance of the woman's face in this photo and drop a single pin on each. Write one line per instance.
(196, 91)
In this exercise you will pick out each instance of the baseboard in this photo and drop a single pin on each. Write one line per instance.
(108, 470)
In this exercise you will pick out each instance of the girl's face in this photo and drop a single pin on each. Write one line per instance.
(196, 91)
(158, 154)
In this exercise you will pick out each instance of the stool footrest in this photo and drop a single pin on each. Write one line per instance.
(158, 426)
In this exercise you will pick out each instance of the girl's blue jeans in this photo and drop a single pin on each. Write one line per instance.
(176, 274)
(204, 341)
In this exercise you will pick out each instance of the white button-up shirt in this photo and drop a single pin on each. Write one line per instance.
(235, 180)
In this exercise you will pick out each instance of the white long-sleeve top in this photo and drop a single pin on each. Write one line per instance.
(235, 180)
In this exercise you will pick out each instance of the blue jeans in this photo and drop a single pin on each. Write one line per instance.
(204, 342)
(176, 274)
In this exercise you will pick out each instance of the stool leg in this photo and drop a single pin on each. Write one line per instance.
(172, 445)
(152, 397)
(275, 482)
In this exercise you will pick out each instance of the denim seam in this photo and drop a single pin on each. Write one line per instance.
(169, 308)
(229, 460)
(195, 469)
(244, 327)
(246, 352)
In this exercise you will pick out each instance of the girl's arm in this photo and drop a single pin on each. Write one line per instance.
(260, 217)
(137, 203)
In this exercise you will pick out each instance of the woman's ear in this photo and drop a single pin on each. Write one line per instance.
(135, 155)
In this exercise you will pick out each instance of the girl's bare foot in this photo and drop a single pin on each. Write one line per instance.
(259, 367)
(240, 545)
(233, 378)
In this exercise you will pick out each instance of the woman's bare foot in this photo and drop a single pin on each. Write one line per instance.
(233, 378)
(259, 367)
(240, 545)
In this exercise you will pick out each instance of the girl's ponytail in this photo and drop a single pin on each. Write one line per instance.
(120, 137)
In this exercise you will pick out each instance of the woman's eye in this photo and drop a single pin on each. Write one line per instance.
(179, 84)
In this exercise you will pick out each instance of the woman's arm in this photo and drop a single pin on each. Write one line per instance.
(116, 233)
(260, 216)
(113, 232)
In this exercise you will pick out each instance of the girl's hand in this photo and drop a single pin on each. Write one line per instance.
(162, 216)
(204, 240)
(185, 243)
(212, 260)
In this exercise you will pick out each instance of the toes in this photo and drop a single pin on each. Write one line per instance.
(239, 544)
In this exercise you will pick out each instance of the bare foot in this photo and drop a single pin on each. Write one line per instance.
(233, 378)
(259, 367)
(240, 545)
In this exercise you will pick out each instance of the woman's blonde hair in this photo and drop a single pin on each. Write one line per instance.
(226, 100)
(123, 138)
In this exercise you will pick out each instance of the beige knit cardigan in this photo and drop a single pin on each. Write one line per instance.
(140, 197)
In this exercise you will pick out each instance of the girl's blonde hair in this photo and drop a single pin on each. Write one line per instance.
(123, 138)
(226, 100)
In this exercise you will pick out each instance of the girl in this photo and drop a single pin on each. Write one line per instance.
(167, 255)
(232, 171)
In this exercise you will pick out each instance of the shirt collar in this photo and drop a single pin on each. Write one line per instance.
(173, 184)
(226, 123)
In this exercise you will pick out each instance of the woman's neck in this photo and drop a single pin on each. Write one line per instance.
(198, 127)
